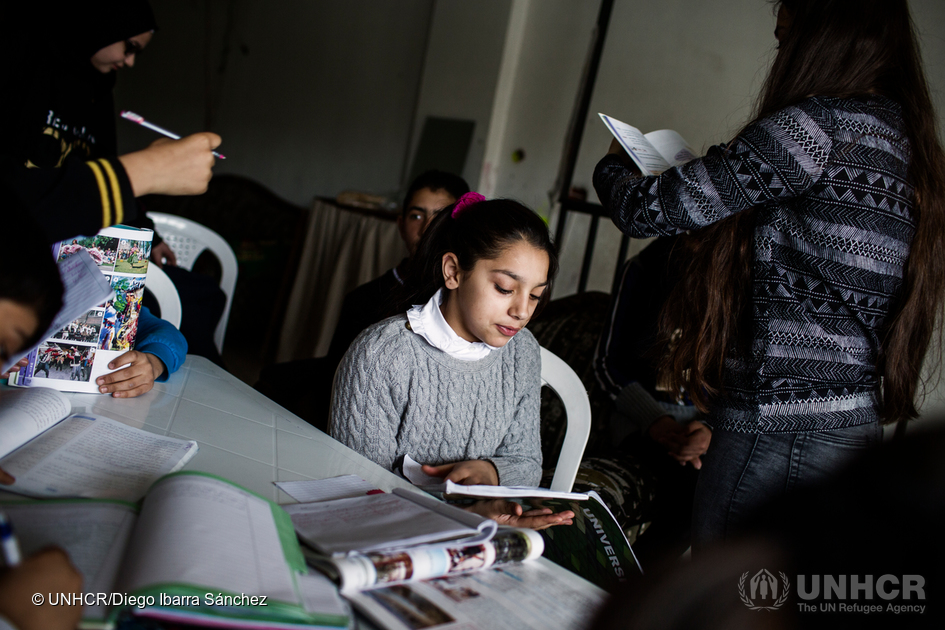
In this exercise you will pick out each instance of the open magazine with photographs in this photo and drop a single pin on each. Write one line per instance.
(74, 356)
(517, 595)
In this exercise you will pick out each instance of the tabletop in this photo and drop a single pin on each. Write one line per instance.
(247, 438)
(243, 436)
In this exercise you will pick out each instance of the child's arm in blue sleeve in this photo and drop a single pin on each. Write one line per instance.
(163, 340)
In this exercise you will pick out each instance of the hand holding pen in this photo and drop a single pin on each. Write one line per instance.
(172, 167)
(135, 118)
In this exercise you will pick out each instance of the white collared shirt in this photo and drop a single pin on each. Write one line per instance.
(427, 321)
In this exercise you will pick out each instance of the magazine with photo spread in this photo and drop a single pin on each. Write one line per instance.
(517, 595)
(74, 356)
(364, 538)
(359, 571)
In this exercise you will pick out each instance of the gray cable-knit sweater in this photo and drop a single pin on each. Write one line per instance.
(395, 394)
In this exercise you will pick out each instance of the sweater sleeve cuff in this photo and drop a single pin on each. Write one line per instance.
(601, 177)
(164, 353)
(635, 403)
(514, 471)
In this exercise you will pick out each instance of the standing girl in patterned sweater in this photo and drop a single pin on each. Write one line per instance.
(816, 257)
(455, 381)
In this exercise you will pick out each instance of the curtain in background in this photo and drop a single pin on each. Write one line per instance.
(343, 249)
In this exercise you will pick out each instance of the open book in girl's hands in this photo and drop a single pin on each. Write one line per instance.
(370, 539)
(413, 471)
(383, 521)
(654, 152)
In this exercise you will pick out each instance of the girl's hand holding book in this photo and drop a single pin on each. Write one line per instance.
(473, 472)
(513, 515)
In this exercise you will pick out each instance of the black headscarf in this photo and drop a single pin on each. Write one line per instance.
(98, 24)
(59, 40)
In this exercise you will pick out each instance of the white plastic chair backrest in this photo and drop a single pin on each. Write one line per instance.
(188, 239)
(558, 375)
(165, 293)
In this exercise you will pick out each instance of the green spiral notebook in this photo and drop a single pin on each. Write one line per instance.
(198, 549)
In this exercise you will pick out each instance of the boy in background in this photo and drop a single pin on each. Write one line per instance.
(304, 386)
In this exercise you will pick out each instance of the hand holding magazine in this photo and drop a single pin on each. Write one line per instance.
(593, 547)
(80, 349)
(654, 152)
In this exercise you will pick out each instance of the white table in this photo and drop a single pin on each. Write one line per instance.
(243, 436)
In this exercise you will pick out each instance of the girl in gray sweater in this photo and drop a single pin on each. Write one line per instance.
(455, 381)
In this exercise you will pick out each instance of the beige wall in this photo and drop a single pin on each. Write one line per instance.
(312, 97)
(318, 96)
(460, 70)
(689, 65)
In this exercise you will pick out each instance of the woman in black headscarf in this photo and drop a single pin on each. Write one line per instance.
(59, 153)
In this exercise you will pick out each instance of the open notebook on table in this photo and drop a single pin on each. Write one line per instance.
(54, 454)
(199, 549)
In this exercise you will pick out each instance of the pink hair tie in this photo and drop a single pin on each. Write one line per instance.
(469, 199)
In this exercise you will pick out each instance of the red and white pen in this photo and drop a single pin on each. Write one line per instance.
(135, 118)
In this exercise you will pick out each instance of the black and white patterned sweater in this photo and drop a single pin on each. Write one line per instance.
(834, 225)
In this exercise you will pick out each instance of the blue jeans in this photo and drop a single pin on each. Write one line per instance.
(743, 471)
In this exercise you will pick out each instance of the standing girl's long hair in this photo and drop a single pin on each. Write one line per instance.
(481, 230)
(835, 48)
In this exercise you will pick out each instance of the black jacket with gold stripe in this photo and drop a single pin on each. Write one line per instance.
(57, 144)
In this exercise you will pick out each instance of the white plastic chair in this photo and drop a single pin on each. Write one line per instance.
(165, 293)
(188, 239)
(558, 375)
